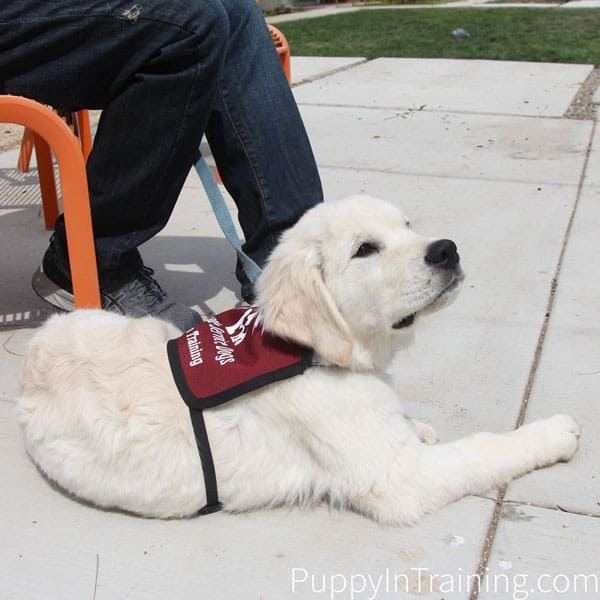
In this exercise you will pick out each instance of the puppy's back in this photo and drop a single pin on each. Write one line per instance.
(101, 415)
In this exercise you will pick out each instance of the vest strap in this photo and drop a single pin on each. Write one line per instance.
(208, 466)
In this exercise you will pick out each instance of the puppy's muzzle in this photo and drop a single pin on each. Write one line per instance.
(442, 254)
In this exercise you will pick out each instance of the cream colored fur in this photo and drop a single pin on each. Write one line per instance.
(101, 415)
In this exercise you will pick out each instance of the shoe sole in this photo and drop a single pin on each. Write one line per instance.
(62, 299)
(51, 293)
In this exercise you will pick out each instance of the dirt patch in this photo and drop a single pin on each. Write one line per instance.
(10, 136)
(582, 106)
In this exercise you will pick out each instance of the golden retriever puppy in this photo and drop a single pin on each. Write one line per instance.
(103, 417)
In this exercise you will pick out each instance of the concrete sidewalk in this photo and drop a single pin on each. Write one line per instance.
(476, 151)
(325, 10)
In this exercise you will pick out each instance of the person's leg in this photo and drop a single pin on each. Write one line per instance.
(153, 67)
(135, 61)
(257, 136)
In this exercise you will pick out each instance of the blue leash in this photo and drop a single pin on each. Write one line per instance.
(221, 211)
(252, 271)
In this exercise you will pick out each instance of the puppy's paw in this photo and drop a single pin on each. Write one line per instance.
(557, 437)
(567, 432)
(425, 432)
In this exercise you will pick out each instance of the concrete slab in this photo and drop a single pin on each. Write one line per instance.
(581, 4)
(592, 174)
(8, 158)
(476, 86)
(13, 345)
(540, 553)
(448, 145)
(52, 547)
(568, 379)
(22, 244)
(492, 5)
(308, 68)
(320, 11)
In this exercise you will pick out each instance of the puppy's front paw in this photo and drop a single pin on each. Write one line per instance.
(567, 433)
(425, 432)
(558, 438)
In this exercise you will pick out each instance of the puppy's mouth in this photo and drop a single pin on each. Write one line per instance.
(406, 322)
(441, 299)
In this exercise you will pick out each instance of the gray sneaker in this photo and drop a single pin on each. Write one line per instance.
(138, 296)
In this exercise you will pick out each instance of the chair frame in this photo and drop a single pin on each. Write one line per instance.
(50, 132)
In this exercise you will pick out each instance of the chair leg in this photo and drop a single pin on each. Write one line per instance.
(26, 150)
(82, 258)
(284, 57)
(45, 165)
(283, 49)
(80, 237)
(50, 130)
(84, 133)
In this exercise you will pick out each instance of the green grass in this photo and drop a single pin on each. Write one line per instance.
(524, 34)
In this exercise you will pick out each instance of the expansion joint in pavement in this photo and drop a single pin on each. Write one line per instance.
(497, 514)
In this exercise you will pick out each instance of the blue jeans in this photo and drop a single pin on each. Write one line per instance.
(165, 72)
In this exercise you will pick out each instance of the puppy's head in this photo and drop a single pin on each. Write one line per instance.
(349, 279)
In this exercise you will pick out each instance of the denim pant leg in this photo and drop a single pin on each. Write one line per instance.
(159, 121)
(157, 70)
(153, 67)
(257, 136)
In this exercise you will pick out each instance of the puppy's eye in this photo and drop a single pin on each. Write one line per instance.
(366, 249)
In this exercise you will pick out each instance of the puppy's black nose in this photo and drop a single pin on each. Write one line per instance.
(442, 254)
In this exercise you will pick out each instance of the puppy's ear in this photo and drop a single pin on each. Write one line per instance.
(296, 304)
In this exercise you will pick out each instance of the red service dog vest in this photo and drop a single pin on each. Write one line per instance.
(230, 355)
(221, 359)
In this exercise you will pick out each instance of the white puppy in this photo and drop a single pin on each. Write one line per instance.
(102, 417)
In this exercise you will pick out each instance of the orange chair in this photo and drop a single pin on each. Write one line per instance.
(283, 49)
(49, 131)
